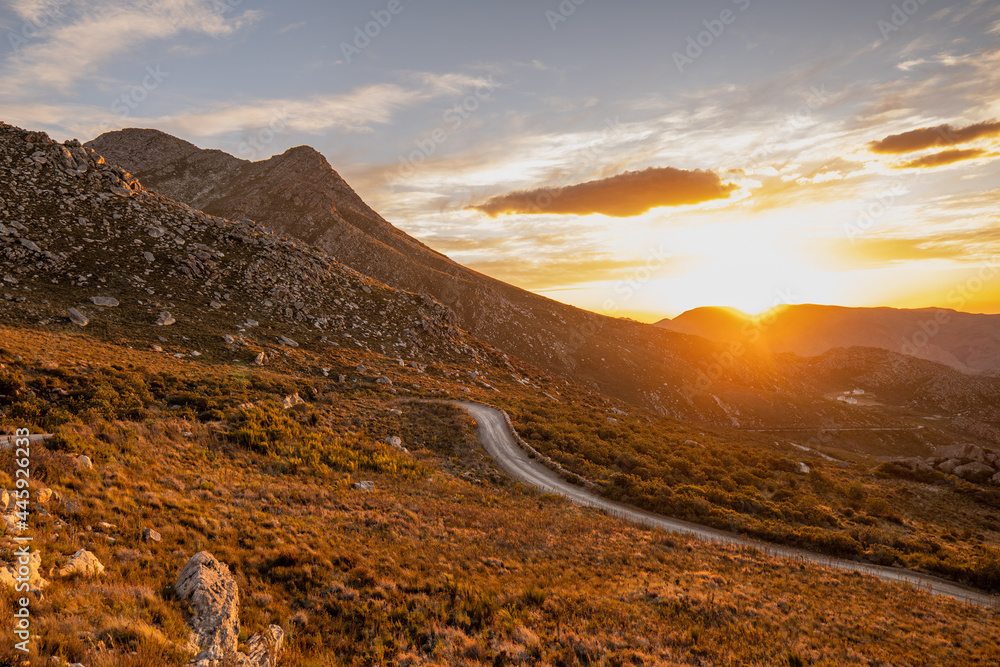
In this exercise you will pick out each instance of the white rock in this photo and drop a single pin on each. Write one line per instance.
(291, 401)
(285, 340)
(165, 320)
(261, 359)
(106, 301)
(364, 486)
(803, 469)
(150, 535)
(83, 563)
(83, 461)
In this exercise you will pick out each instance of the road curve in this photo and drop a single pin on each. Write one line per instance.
(499, 442)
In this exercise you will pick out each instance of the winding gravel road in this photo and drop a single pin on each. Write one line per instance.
(499, 442)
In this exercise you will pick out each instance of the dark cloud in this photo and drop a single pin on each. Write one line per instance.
(942, 158)
(625, 195)
(934, 137)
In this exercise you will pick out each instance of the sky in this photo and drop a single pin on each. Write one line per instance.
(637, 158)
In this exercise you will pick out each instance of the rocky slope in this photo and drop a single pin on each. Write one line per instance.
(965, 341)
(82, 241)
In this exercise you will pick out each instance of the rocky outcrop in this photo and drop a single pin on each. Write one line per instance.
(208, 587)
(966, 461)
(82, 242)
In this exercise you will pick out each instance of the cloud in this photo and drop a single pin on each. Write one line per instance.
(625, 195)
(934, 137)
(943, 158)
(83, 36)
(292, 26)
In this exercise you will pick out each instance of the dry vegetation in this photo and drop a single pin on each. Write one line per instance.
(444, 562)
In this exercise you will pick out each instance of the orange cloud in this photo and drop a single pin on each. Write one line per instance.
(942, 158)
(934, 137)
(622, 196)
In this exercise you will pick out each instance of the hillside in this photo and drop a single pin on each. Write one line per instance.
(965, 341)
(212, 387)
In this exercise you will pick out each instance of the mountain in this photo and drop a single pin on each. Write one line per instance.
(83, 239)
(965, 341)
(298, 193)
(730, 381)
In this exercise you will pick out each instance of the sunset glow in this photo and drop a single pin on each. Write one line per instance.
(807, 153)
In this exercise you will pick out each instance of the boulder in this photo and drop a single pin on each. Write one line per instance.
(974, 472)
(105, 301)
(165, 320)
(207, 586)
(949, 465)
(77, 318)
(288, 342)
(150, 535)
(10, 574)
(963, 452)
(291, 401)
(803, 469)
(84, 564)
(996, 479)
(43, 495)
(364, 486)
(384, 380)
(914, 463)
(210, 590)
(83, 461)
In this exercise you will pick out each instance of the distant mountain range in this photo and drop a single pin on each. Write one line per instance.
(967, 342)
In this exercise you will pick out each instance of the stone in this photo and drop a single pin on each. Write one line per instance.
(263, 649)
(83, 564)
(207, 586)
(962, 452)
(83, 461)
(291, 401)
(215, 304)
(949, 465)
(30, 245)
(395, 412)
(165, 320)
(364, 486)
(9, 574)
(383, 380)
(260, 359)
(43, 495)
(148, 256)
(803, 469)
(209, 589)
(394, 441)
(77, 318)
(150, 535)
(288, 342)
(105, 301)
(974, 472)
(612, 420)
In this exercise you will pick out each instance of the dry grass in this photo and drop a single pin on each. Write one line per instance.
(453, 565)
